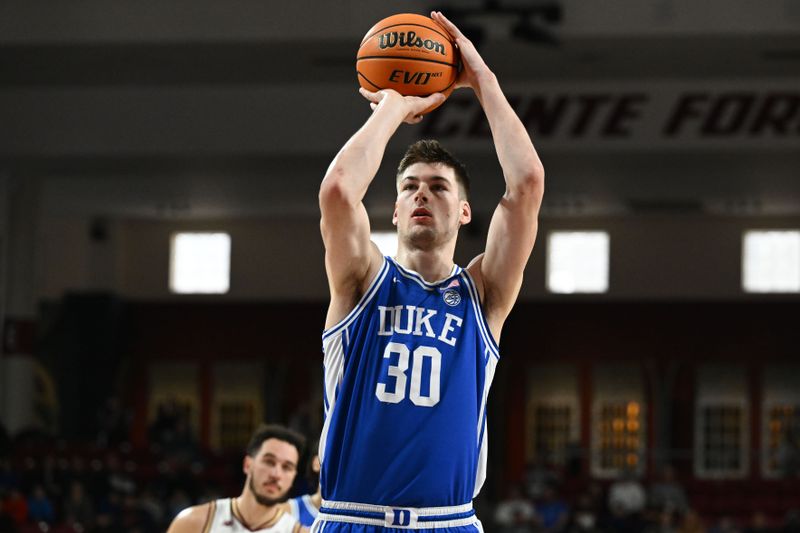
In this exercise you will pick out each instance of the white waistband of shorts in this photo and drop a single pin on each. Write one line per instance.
(397, 517)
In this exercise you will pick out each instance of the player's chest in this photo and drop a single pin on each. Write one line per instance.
(404, 308)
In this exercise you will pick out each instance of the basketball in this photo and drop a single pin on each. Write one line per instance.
(409, 53)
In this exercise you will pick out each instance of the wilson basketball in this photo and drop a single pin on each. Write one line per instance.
(409, 53)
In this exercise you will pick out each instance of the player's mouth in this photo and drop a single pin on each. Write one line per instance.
(272, 487)
(421, 213)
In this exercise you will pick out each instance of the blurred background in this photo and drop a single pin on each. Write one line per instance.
(162, 288)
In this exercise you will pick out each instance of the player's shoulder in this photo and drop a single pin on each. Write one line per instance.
(290, 506)
(347, 292)
(192, 519)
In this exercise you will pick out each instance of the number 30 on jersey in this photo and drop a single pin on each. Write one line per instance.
(399, 373)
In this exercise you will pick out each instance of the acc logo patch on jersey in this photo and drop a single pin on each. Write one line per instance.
(451, 297)
(450, 294)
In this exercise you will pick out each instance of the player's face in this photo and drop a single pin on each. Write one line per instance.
(429, 210)
(271, 472)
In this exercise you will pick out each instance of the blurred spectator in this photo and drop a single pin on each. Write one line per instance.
(725, 524)
(691, 523)
(116, 478)
(49, 475)
(17, 507)
(97, 480)
(552, 510)
(626, 502)
(667, 494)
(78, 508)
(586, 516)
(113, 423)
(8, 478)
(178, 501)
(664, 522)
(791, 522)
(108, 515)
(152, 505)
(179, 445)
(133, 517)
(31, 474)
(7, 524)
(759, 524)
(537, 477)
(75, 471)
(626, 495)
(163, 427)
(40, 508)
(516, 513)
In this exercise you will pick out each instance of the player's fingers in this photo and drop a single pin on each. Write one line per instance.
(451, 28)
(372, 97)
(373, 106)
(434, 99)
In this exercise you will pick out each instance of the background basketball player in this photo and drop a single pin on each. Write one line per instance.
(270, 466)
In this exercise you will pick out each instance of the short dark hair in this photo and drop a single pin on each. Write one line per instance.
(430, 151)
(265, 432)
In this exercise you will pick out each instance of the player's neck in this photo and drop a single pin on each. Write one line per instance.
(255, 515)
(432, 265)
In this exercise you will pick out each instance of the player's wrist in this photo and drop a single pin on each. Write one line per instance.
(484, 79)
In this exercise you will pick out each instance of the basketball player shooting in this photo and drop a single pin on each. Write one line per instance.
(271, 466)
(410, 344)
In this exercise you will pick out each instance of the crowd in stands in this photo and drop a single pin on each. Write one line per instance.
(106, 486)
(49, 485)
(625, 505)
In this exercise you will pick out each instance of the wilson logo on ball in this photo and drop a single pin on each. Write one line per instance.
(409, 40)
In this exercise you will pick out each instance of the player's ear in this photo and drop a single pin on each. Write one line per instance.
(247, 464)
(394, 215)
(466, 213)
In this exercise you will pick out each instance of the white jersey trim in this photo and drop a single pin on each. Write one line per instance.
(415, 276)
(476, 305)
(483, 434)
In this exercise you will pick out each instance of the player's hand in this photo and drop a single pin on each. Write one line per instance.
(474, 68)
(414, 106)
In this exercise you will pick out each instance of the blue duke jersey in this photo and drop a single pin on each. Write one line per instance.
(407, 375)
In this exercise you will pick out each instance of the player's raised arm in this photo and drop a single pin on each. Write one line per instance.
(351, 260)
(513, 227)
